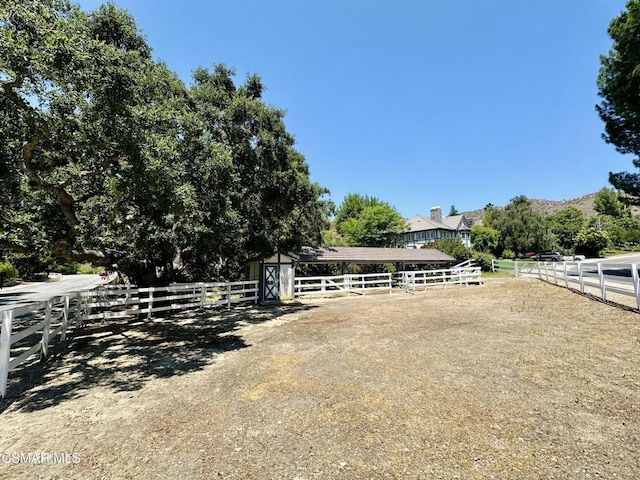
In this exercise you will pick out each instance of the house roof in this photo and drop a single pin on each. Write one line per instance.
(421, 222)
(365, 255)
(454, 221)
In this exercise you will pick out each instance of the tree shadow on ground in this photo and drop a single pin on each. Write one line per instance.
(123, 354)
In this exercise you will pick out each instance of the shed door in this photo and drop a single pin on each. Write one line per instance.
(271, 276)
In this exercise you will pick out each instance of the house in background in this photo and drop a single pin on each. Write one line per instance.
(423, 230)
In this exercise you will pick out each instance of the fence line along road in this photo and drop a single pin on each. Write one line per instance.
(31, 329)
(614, 282)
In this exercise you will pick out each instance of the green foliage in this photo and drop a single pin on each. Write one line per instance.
(352, 207)
(618, 85)
(590, 241)
(621, 230)
(375, 226)
(508, 254)
(452, 247)
(565, 225)
(11, 272)
(106, 157)
(521, 229)
(87, 269)
(484, 239)
(331, 237)
(65, 268)
(483, 260)
(453, 211)
(488, 215)
(609, 202)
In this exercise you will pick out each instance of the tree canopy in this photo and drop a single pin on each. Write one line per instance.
(609, 202)
(367, 222)
(106, 156)
(618, 85)
(565, 224)
(520, 229)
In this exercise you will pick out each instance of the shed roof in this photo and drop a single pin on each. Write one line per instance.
(364, 255)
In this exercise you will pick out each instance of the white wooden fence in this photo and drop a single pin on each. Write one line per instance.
(342, 284)
(424, 279)
(31, 329)
(350, 283)
(614, 282)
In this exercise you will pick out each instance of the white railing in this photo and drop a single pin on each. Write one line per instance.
(423, 279)
(598, 279)
(31, 329)
(342, 284)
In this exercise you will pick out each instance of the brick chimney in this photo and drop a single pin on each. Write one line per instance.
(436, 214)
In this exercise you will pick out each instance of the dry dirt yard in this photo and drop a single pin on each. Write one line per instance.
(515, 379)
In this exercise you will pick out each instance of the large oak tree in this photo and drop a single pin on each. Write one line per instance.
(106, 156)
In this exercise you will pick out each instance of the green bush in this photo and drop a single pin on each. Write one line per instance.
(65, 268)
(483, 260)
(11, 271)
(87, 269)
(450, 246)
(508, 254)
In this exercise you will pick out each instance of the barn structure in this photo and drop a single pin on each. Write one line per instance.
(276, 274)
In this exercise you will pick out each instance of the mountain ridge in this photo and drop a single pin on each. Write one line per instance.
(584, 204)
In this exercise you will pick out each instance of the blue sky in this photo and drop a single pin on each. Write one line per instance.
(418, 103)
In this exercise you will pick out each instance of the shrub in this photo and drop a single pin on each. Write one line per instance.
(483, 260)
(11, 271)
(87, 269)
(508, 254)
(65, 268)
(450, 246)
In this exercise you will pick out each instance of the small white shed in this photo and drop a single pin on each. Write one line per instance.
(276, 276)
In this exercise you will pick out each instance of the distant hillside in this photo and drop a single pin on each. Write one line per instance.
(584, 204)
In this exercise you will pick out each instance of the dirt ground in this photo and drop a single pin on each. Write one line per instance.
(515, 379)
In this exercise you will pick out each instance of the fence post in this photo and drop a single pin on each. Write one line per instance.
(603, 287)
(228, 294)
(78, 310)
(555, 273)
(203, 295)
(580, 278)
(45, 329)
(546, 272)
(493, 264)
(390, 282)
(636, 283)
(150, 302)
(5, 348)
(516, 268)
(539, 274)
(566, 280)
(65, 319)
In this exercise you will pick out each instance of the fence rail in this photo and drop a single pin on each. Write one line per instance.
(430, 278)
(601, 280)
(31, 329)
(360, 284)
(342, 284)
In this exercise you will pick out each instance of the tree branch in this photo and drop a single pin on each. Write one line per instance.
(13, 246)
(62, 249)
